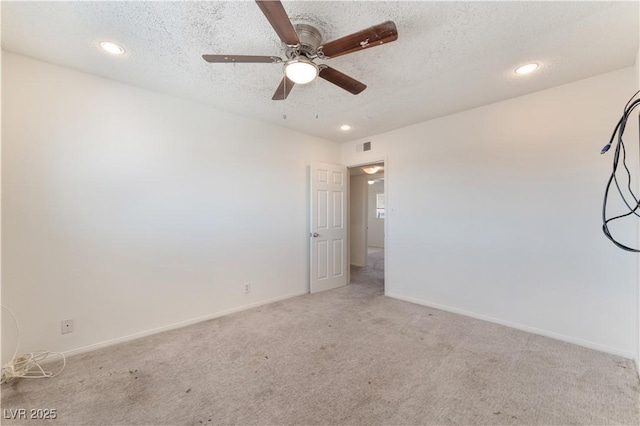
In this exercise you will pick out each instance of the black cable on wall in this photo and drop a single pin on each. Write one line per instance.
(633, 206)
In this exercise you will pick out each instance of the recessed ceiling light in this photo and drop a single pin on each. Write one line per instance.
(112, 48)
(345, 127)
(527, 69)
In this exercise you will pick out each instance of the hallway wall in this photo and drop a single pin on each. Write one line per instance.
(358, 220)
(375, 225)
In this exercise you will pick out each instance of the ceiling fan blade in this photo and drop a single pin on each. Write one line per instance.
(342, 80)
(230, 59)
(279, 20)
(283, 90)
(371, 37)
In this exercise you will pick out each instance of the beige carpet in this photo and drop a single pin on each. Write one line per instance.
(347, 356)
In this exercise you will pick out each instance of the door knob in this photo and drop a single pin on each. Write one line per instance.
(315, 234)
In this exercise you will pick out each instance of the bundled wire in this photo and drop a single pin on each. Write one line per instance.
(27, 366)
(633, 205)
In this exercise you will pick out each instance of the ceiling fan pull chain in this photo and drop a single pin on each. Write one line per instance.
(284, 104)
(316, 84)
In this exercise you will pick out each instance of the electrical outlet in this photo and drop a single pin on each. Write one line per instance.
(247, 288)
(66, 326)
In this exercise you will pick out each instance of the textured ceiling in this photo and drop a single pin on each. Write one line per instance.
(449, 56)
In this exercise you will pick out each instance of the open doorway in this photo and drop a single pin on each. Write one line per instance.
(366, 224)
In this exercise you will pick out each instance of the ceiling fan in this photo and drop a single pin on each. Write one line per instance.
(303, 44)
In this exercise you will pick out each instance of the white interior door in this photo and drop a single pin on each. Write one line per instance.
(328, 226)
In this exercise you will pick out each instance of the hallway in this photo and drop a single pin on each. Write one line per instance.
(373, 274)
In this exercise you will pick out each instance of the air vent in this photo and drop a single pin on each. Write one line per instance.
(363, 147)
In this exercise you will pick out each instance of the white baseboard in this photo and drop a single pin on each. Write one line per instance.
(181, 324)
(533, 330)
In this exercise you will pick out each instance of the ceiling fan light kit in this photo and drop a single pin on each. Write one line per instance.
(303, 44)
(301, 70)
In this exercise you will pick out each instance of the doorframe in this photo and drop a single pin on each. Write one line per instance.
(385, 162)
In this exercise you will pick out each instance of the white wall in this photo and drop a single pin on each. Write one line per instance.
(375, 226)
(637, 68)
(130, 210)
(358, 220)
(495, 213)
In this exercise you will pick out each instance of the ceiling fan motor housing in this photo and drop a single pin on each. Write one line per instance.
(310, 39)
